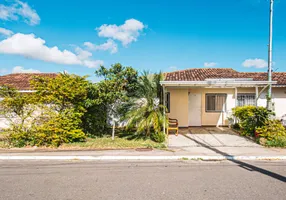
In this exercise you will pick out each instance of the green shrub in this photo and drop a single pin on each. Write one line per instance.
(235, 126)
(274, 133)
(158, 137)
(251, 117)
(49, 129)
(280, 141)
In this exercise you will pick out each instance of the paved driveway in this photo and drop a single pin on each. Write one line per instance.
(212, 137)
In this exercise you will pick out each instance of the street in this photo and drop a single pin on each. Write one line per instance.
(46, 180)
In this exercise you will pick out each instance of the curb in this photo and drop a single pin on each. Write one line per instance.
(114, 158)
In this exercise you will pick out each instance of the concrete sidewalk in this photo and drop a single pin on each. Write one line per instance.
(202, 153)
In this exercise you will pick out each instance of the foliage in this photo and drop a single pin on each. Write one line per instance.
(274, 132)
(62, 92)
(236, 126)
(159, 137)
(118, 85)
(280, 141)
(251, 117)
(145, 113)
(18, 108)
(49, 128)
(66, 108)
(49, 116)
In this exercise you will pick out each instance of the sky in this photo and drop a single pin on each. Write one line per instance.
(79, 36)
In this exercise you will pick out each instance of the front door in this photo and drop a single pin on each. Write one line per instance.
(195, 109)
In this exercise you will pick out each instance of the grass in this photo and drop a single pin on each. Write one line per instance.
(2, 137)
(2, 144)
(278, 142)
(108, 143)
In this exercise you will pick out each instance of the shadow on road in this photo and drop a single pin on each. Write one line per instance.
(240, 163)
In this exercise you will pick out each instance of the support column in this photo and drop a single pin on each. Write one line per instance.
(235, 96)
(256, 95)
(164, 112)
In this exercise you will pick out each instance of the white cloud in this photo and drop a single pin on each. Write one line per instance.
(89, 45)
(3, 70)
(256, 63)
(19, 9)
(93, 63)
(125, 33)
(109, 45)
(82, 54)
(210, 64)
(173, 68)
(29, 46)
(5, 32)
(7, 13)
(20, 69)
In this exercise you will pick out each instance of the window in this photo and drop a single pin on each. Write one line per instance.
(245, 99)
(168, 101)
(215, 102)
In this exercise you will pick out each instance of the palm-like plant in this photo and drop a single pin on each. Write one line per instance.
(146, 111)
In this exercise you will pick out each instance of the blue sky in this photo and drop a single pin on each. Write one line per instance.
(152, 35)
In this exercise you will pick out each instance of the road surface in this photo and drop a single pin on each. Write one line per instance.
(66, 180)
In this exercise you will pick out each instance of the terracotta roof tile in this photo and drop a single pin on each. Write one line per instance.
(21, 81)
(200, 74)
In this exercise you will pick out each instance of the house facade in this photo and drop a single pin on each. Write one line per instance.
(206, 96)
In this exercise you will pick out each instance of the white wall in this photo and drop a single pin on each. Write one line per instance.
(4, 123)
(279, 99)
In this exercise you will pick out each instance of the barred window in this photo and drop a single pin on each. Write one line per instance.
(215, 102)
(245, 99)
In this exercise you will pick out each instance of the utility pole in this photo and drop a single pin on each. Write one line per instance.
(269, 96)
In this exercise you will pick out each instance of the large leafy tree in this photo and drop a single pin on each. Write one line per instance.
(117, 85)
(62, 92)
(49, 116)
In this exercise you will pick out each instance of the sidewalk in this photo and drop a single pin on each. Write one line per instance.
(191, 153)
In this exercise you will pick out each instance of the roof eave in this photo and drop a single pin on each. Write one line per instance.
(217, 83)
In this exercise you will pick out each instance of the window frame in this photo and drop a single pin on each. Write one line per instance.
(168, 102)
(215, 94)
(245, 94)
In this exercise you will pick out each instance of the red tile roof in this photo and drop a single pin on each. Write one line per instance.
(201, 74)
(21, 81)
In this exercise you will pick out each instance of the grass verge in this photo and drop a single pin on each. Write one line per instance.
(2, 144)
(108, 143)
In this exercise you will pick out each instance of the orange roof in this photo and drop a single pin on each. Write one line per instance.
(201, 74)
(21, 81)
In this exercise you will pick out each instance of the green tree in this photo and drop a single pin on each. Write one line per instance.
(49, 116)
(62, 92)
(17, 108)
(146, 111)
(118, 84)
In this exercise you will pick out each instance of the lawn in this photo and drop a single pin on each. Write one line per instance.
(108, 143)
(2, 144)
(122, 141)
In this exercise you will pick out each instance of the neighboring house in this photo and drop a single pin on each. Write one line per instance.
(21, 82)
(206, 96)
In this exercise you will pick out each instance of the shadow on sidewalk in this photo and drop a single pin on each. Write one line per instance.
(240, 163)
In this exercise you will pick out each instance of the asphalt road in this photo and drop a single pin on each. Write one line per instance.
(47, 180)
